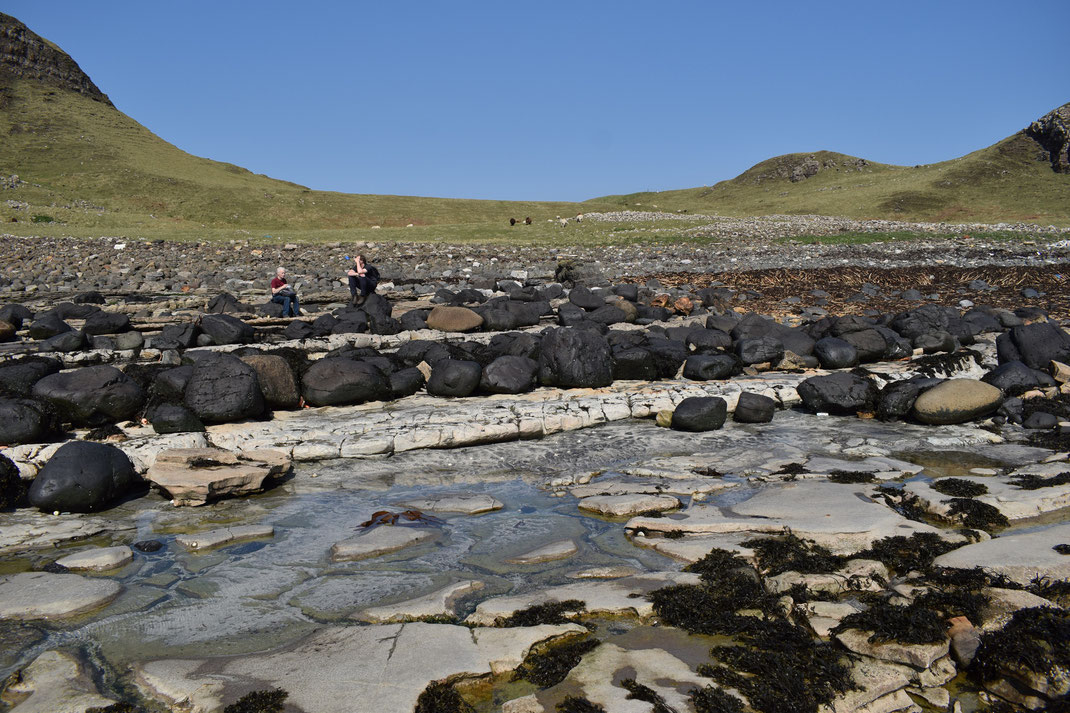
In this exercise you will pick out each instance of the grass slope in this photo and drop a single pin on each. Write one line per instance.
(1011, 181)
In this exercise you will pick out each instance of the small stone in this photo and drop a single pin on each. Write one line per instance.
(553, 551)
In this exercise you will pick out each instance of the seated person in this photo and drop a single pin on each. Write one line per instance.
(283, 294)
(362, 280)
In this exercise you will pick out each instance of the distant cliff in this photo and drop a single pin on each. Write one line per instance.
(26, 55)
(1052, 131)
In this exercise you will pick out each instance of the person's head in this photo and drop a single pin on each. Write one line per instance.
(280, 272)
(360, 260)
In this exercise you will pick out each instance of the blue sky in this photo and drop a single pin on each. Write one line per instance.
(562, 100)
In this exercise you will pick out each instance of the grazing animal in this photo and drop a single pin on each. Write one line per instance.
(527, 221)
(512, 222)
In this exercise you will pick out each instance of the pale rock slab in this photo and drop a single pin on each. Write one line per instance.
(437, 603)
(467, 504)
(548, 553)
(98, 559)
(28, 528)
(396, 663)
(42, 595)
(610, 596)
(1014, 502)
(605, 573)
(627, 505)
(920, 656)
(193, 476)
(843, 518)
(379, 541)
(875, 680)
(54, 683)
(1003, 603)
(694, 547)
(1020, 557)
(224, 536)
(676, 486)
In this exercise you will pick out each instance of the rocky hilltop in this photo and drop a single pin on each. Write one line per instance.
(25, 54)
(1052, 132)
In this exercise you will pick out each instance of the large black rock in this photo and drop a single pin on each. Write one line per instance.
(172, 418)
(835, 353)
(18, 377)
(509, 375)
(26, 421)
(1014, 377)
(869, 344)
(842, 393)
(226, 329)
(759, 350)
(707, 367)
(575, 358)
(12, 487)
(176, 336)
(171, 384)
(406, 382)
(706, 341)
(635, 363)
(669, 355)
(70, 341)
(15, 314)
(1037, 345)
(608, 314)
(82, 477)
(754, 408)
(298, 329)
(585, 299)
(335, 381)
(222, 389)
(896, 400)
(47, 325)
(700, 413)
(106, 323)
(91, 396)
(454, 377)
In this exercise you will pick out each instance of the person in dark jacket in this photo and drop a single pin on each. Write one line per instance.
(363, 279)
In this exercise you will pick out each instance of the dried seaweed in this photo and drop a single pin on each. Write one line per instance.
(548, 665)
(959, 487)
(652, 513)
(1035, 640)
(714, 700)
(442, 698)
(976, 514)
(708, 471)
(269, 700)
(912, 624)
(850, 476)
(548, 613)
(790, 553)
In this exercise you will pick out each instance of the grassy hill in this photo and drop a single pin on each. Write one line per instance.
(1011, 181)
(85, 168)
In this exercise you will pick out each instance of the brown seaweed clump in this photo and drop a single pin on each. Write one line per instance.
(911, 624)
(714, 700)
(639, 692)
(442, 698)
(1035, 482)
(119, 707)
(791, 553)
(848, 477)
(578, 704)
(959, 487)
(269, 700)
(549, 613)
(903, 554)
(976, 514)
(1033, 649)
(549, 665)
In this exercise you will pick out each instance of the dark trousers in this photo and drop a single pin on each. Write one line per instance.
(361, 283)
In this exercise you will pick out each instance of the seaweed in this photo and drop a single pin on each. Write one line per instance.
(791, 469)
(1055, 590)
(716, 563)
(784, 670)
(945, 363)
(1035, 640)
(850, 476)
(714, 700)
(548, 613)
(1062, 549)
(442, 697)
(652, 513)
(549, 665)
(969, 579)
(904, 503)
(700, 610)
(911, 624)
(118, 707)
(1035, 482)
(954, 602)
(639, 692)
(578, 704)
(789, 552)
(902, 554)
(674, 534)
(266, 701)
(959, 487)
(977, 514)
(103, 433)
(708, 471)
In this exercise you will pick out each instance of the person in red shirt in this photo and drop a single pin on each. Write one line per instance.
(282, 293)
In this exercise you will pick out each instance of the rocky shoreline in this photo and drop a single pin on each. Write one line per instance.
(479, 487)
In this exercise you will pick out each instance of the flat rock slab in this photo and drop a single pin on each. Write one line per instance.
(54, 683)
(28, 528)
(437, 603)
(1019, 557)
(224, 536)
(43, 595)
(1014, 502)
(843, 518)
(919, 656)
(612, 597)
(882, 467)
(379, 541)
(99, 559)
(625, 505)
(548, 553)
(695, 547)
(193, 476)
(656, 669)
(351, 669)
(608, 572)
(695, 487)
(468, 504)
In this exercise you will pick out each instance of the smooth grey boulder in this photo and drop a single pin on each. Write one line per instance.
(92, 395)
(760, 350)
(106, 323)
(575, 358)
(1040, 421)
(957, 401)
(226, 329)
(509, 375)
(336, 380)
(47, 325)
(707, 367)
(1037, 345)
(17, 378)
(841, 393)
(700, 413)
(172, 418)
(70, 341)
(754, 408)
(454, 377)
(1014, 377)
(222, 389)
(82, 476)
(835, 353)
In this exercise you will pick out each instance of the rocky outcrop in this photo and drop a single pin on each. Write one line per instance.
(26, 55)
(1052, 132)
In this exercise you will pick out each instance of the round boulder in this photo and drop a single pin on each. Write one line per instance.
(754, 408)
(276, 379)
(897, 399)
(337, 380)
(48, 325)
(454, 377)
(843, 393)
(509, 375)
(226, 329)
(957, 401)
(26, 421)
(12, 486)
(82, 476)
(707, 367)
(575, 358)
(223, 388)
(759, 350)
(453, 319)
(835, 353)
(91, 396)
(106, 323)
(700, 413)
(17, 378)
(171, 418)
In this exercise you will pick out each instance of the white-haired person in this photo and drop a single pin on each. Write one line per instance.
(282, 293)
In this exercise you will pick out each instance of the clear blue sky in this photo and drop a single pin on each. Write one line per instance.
(562, 100)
